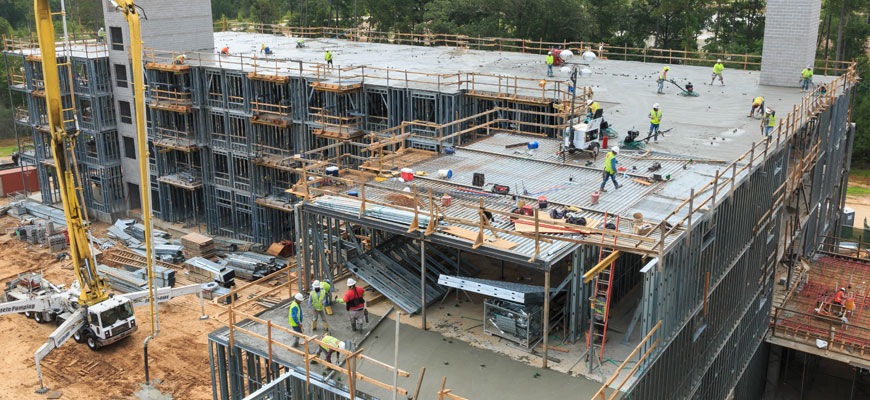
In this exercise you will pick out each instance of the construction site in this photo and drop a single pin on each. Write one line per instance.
(456, 183)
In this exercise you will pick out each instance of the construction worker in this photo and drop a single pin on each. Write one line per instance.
(717, 72)
(663, 76)
(355, 303)
(768, 122)
(225, 51)
(610, 168)
(331, 341)
(840, 297)
(757, 104)
(328, 58)
(550, 61)
(179, 59)
(300, 44)
(265, 49)
(326, 287)
(593, 109)
(317, 299)
(806, 78)
(296, 316)
(655, 119)
(101, 35)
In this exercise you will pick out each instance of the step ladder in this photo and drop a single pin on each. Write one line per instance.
(600, 300)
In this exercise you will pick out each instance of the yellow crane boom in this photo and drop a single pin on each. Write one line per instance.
(62, 144)
(62, 147)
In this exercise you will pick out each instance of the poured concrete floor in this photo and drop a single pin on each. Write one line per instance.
(714, 125)
(471, 372)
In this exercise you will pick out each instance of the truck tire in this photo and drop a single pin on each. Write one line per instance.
(28, 314)
(91, 340)
(79, 336)
(37, 316)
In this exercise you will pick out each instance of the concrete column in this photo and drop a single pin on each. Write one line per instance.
(791, 28)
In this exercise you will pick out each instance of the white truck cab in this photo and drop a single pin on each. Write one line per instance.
(107, 322)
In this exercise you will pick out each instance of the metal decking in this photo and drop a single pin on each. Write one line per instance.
(392, 270)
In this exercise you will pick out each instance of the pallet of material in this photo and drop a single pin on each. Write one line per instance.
(197, 245)
(121, 280)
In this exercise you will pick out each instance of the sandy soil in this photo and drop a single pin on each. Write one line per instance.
(178, 357)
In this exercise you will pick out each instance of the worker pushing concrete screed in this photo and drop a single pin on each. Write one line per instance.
(663, 76)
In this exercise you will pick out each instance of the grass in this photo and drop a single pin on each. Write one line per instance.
(860, 173)
(857, 191)
(7, 150)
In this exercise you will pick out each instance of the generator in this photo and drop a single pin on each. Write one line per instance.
(519, 323)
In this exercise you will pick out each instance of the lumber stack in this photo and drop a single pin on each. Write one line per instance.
(197, 245)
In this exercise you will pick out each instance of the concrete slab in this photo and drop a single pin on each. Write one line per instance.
(472, 372)
(714, 125)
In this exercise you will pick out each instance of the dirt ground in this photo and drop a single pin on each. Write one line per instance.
(178, 357)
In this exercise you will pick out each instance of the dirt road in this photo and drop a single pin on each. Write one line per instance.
(178, 357)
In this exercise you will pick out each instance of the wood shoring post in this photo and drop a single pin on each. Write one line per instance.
(546, 316)
(419, 383)
(307, 358)
(431, 226)
(269, 342)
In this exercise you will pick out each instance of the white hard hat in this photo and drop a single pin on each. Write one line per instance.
(316, 283)
(767, 110)
(589, 102)
(843, 289)
(656, 106)
(810, 66)
(299, 297)
(615, 149)
(342, 345)
(351, 282)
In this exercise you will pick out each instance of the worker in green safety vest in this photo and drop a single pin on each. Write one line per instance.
(663, 76)
(768, 122)
(295, 318)
(717, 72)
(592, 108)
(610, 168)
(655, 119)
(328, 345)
(318, 298)
(328, 58)
(550, 61)
(806, 78)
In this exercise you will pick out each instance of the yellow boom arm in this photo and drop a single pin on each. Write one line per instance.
(62, 142)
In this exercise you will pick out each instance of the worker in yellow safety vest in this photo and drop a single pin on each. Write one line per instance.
(296, 316)
(610, 168)
(806, 77)
(655, 119)
(757, 104)
(768, 122)
(317, 298)
(717, 72)
(101, 35)
(179, 59)
(328, 58)
(663, 76)
(593, 109)
(328, 345)
(550, 60)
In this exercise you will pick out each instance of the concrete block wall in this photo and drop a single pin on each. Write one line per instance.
(171, 25)
(791, 28)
